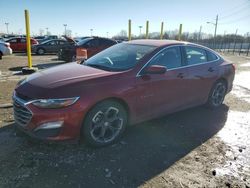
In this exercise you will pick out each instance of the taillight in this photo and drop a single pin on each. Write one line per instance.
(234, 67)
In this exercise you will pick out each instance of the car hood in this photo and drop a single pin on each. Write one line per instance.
(59, 80)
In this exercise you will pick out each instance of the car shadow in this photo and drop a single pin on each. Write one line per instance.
(39, 66)
(146, 150)
(33, 54)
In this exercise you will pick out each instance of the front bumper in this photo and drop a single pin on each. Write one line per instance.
(8, 51)
(29, 119)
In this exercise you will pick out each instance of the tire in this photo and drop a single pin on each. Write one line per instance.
(104, 123)
(1, 55)
(73, 58)
(217, 94)
(40, 51)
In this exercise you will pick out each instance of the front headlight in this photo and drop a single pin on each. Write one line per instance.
(54, 103)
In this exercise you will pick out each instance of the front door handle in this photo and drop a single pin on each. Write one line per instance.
(210, 69)
(180, 75)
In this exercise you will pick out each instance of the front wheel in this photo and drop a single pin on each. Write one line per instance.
(105, 123)
(40, 51)
(217, 94)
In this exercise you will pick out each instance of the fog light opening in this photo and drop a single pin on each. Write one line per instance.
(50, 125)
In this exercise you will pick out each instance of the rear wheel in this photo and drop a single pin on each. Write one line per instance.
(217, 94)
(105, 123)
(40, 51)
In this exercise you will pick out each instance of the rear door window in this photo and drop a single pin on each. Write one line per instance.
(23, 40)
(52, 43)
(211, 56)
(195, 55)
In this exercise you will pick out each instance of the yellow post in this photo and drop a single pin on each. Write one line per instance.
(147, 25)
(180, 32)
(129, 29)
(162, 25)
(27, 22)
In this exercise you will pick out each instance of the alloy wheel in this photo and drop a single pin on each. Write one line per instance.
(218, 94)
(106, 125)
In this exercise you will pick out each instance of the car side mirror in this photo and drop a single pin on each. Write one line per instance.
(155, 69)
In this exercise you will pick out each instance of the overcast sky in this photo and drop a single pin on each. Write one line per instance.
(112, 15)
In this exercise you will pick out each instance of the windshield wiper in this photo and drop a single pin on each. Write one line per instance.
(98, 66)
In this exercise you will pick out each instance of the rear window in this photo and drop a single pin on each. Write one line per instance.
(84, 41)
(211, 56)
(106, 42)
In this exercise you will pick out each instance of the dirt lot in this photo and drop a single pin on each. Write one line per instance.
(193, 148)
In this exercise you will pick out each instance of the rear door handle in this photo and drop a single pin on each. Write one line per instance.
(210, 69)
(180, 75)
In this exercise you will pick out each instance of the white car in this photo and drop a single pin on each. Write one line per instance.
(5, 49)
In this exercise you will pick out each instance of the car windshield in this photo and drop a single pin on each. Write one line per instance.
(119, 57)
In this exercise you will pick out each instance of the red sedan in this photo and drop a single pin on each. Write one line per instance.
(18, 44)
(125, 84)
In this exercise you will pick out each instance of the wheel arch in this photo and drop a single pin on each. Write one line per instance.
(116, 99)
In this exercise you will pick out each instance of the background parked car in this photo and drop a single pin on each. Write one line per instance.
(85, 48)
(8, 36)
(51, 46)
(18, 44)
(41, 39)
(5, 49)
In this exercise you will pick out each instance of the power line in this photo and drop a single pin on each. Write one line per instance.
(235, 12)
(236, 7)
(236, 20)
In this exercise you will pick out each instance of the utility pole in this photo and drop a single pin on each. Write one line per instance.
(216, 23)
(107, 34)
(215, 30)
(199, 37)
(65, 29)
(215, 27)
(140, 27)
(235, 40)
(47, 32)
(91, 32)
(7, 27)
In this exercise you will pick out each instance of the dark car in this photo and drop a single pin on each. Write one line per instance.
(51, 46)
(19, 44)
(125, 84)
(89, 46)
(47, 37)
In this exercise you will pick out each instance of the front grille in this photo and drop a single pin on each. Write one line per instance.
(21, 114)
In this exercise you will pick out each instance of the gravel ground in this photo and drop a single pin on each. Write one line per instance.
(197, 147)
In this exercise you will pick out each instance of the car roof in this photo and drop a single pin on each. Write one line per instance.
(158, 43)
